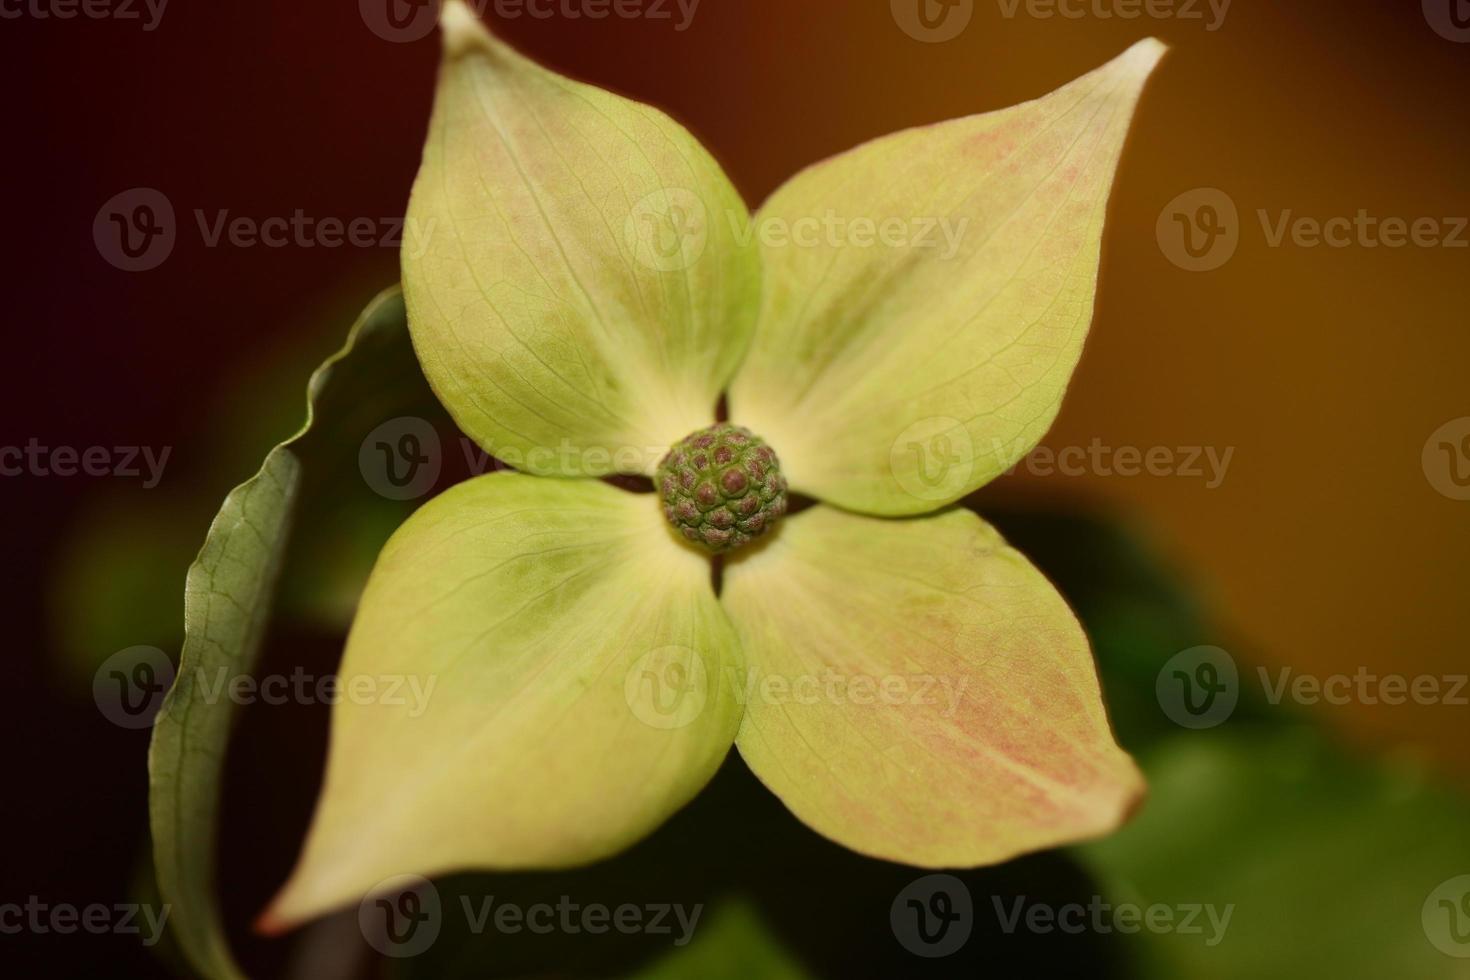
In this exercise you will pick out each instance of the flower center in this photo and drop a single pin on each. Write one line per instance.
(722, 487)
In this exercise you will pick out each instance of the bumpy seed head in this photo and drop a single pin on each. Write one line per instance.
(721, 487)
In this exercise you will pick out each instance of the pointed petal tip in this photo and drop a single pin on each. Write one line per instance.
(1142, 57)
(460, 27)
(270, 924)
(1130, 795)
(292, 906)
(295, 904)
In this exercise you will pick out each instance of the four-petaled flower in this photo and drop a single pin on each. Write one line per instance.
(585, 285)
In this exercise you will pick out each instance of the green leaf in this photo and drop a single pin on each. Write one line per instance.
(580, 286)
(118, 577)
(927, 296)
(228, 600)
(1327, 863)
(916, 691)
(564, 664)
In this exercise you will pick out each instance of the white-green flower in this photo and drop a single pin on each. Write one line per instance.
(585, 285)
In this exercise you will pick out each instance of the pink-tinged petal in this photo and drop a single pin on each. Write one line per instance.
(917, 691)
(927, 295)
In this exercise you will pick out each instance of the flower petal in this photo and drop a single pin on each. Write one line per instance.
(927, 296)
(918, 692)
(538, 667)
(576, 281)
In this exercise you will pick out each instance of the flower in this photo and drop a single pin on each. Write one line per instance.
(898, 324)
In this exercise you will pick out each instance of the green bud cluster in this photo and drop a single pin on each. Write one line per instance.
(722, 487)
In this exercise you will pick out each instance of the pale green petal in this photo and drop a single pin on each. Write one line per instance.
(579, 276)
(560, 657)
(918, 692)
(895, 371)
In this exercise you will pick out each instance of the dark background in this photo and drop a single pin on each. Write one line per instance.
(1327, 547)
